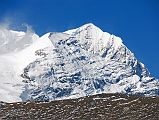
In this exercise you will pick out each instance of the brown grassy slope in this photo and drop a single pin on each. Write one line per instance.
(97, 107)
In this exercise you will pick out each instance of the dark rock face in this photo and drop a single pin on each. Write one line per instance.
(97, 107)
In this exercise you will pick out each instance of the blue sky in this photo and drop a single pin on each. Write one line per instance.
(135, 21)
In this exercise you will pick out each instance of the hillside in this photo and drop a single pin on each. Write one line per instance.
(96, 107)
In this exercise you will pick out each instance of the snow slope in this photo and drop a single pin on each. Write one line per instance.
(71, 64)
(17, 50)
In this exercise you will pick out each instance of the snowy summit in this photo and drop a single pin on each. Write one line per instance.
(71, 64)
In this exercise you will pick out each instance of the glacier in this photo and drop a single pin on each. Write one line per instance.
(71, 64)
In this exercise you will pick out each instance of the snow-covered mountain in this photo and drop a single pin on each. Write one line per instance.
(71, 64)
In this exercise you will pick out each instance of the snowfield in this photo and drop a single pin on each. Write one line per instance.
(17, 50)
(71, 64)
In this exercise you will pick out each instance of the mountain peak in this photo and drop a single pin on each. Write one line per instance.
(76, 63)
(85, 27)
(92, 37)
(89, 25)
